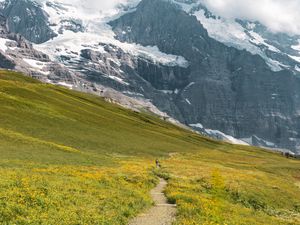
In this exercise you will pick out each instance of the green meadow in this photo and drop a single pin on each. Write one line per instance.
(71, 158)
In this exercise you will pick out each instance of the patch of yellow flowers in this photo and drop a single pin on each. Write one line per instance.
(74, 194)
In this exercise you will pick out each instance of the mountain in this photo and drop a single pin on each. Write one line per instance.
(23, 55)
(279, 50)
(228, 89)
(230, 79)
(69, 157)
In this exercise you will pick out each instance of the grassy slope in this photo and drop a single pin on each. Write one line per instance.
(234, 186)
(71, 158)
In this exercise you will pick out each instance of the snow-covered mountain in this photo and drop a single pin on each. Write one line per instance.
(279, 50)
(53, 46)
(223, 77)
(91, 28)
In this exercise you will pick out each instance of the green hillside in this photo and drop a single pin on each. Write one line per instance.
(72, 158)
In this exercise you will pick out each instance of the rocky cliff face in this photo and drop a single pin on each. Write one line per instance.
(135, 77)
(226, 89)
(26, 17)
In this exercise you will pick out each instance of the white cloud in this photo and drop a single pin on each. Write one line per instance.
(96, 4)
(277, 15)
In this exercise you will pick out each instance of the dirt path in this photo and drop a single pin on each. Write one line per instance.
(160, 214)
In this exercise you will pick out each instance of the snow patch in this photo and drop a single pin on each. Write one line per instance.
(3, 46)
(118, 79)
(254, 140)
(197, 125)
(133, 93)
(185, 7)
(224, 30)
(259, 40)
(35, 64)
(189, 85)
(297, 47)
(70, 86)
(233, 34)
(188, 101)
(225, 137)
(296, 58)
(275, 65)
(217, 134)
(169, 92)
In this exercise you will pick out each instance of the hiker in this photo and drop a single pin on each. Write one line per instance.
(287, 155)
(157, 163)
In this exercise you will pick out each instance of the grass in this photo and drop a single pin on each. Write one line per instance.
(52, 117)
(72, 158)
(235, 186)
(39, 194)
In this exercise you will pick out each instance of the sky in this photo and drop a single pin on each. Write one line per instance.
(277, 15)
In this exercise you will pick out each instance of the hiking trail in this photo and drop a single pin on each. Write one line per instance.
(162, 213)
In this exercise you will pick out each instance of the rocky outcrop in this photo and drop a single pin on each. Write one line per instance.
(131, 75)
(3, 28)
(6, 62)
(26, 17)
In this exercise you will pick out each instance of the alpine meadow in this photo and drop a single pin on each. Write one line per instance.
(94, 164)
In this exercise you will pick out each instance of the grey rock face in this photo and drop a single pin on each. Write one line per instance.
(3, 28)
(25, 17)
(128, 74)
(5, 62)
(226, 89)
(71, 25)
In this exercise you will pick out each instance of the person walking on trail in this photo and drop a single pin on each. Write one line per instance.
(157, 163)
